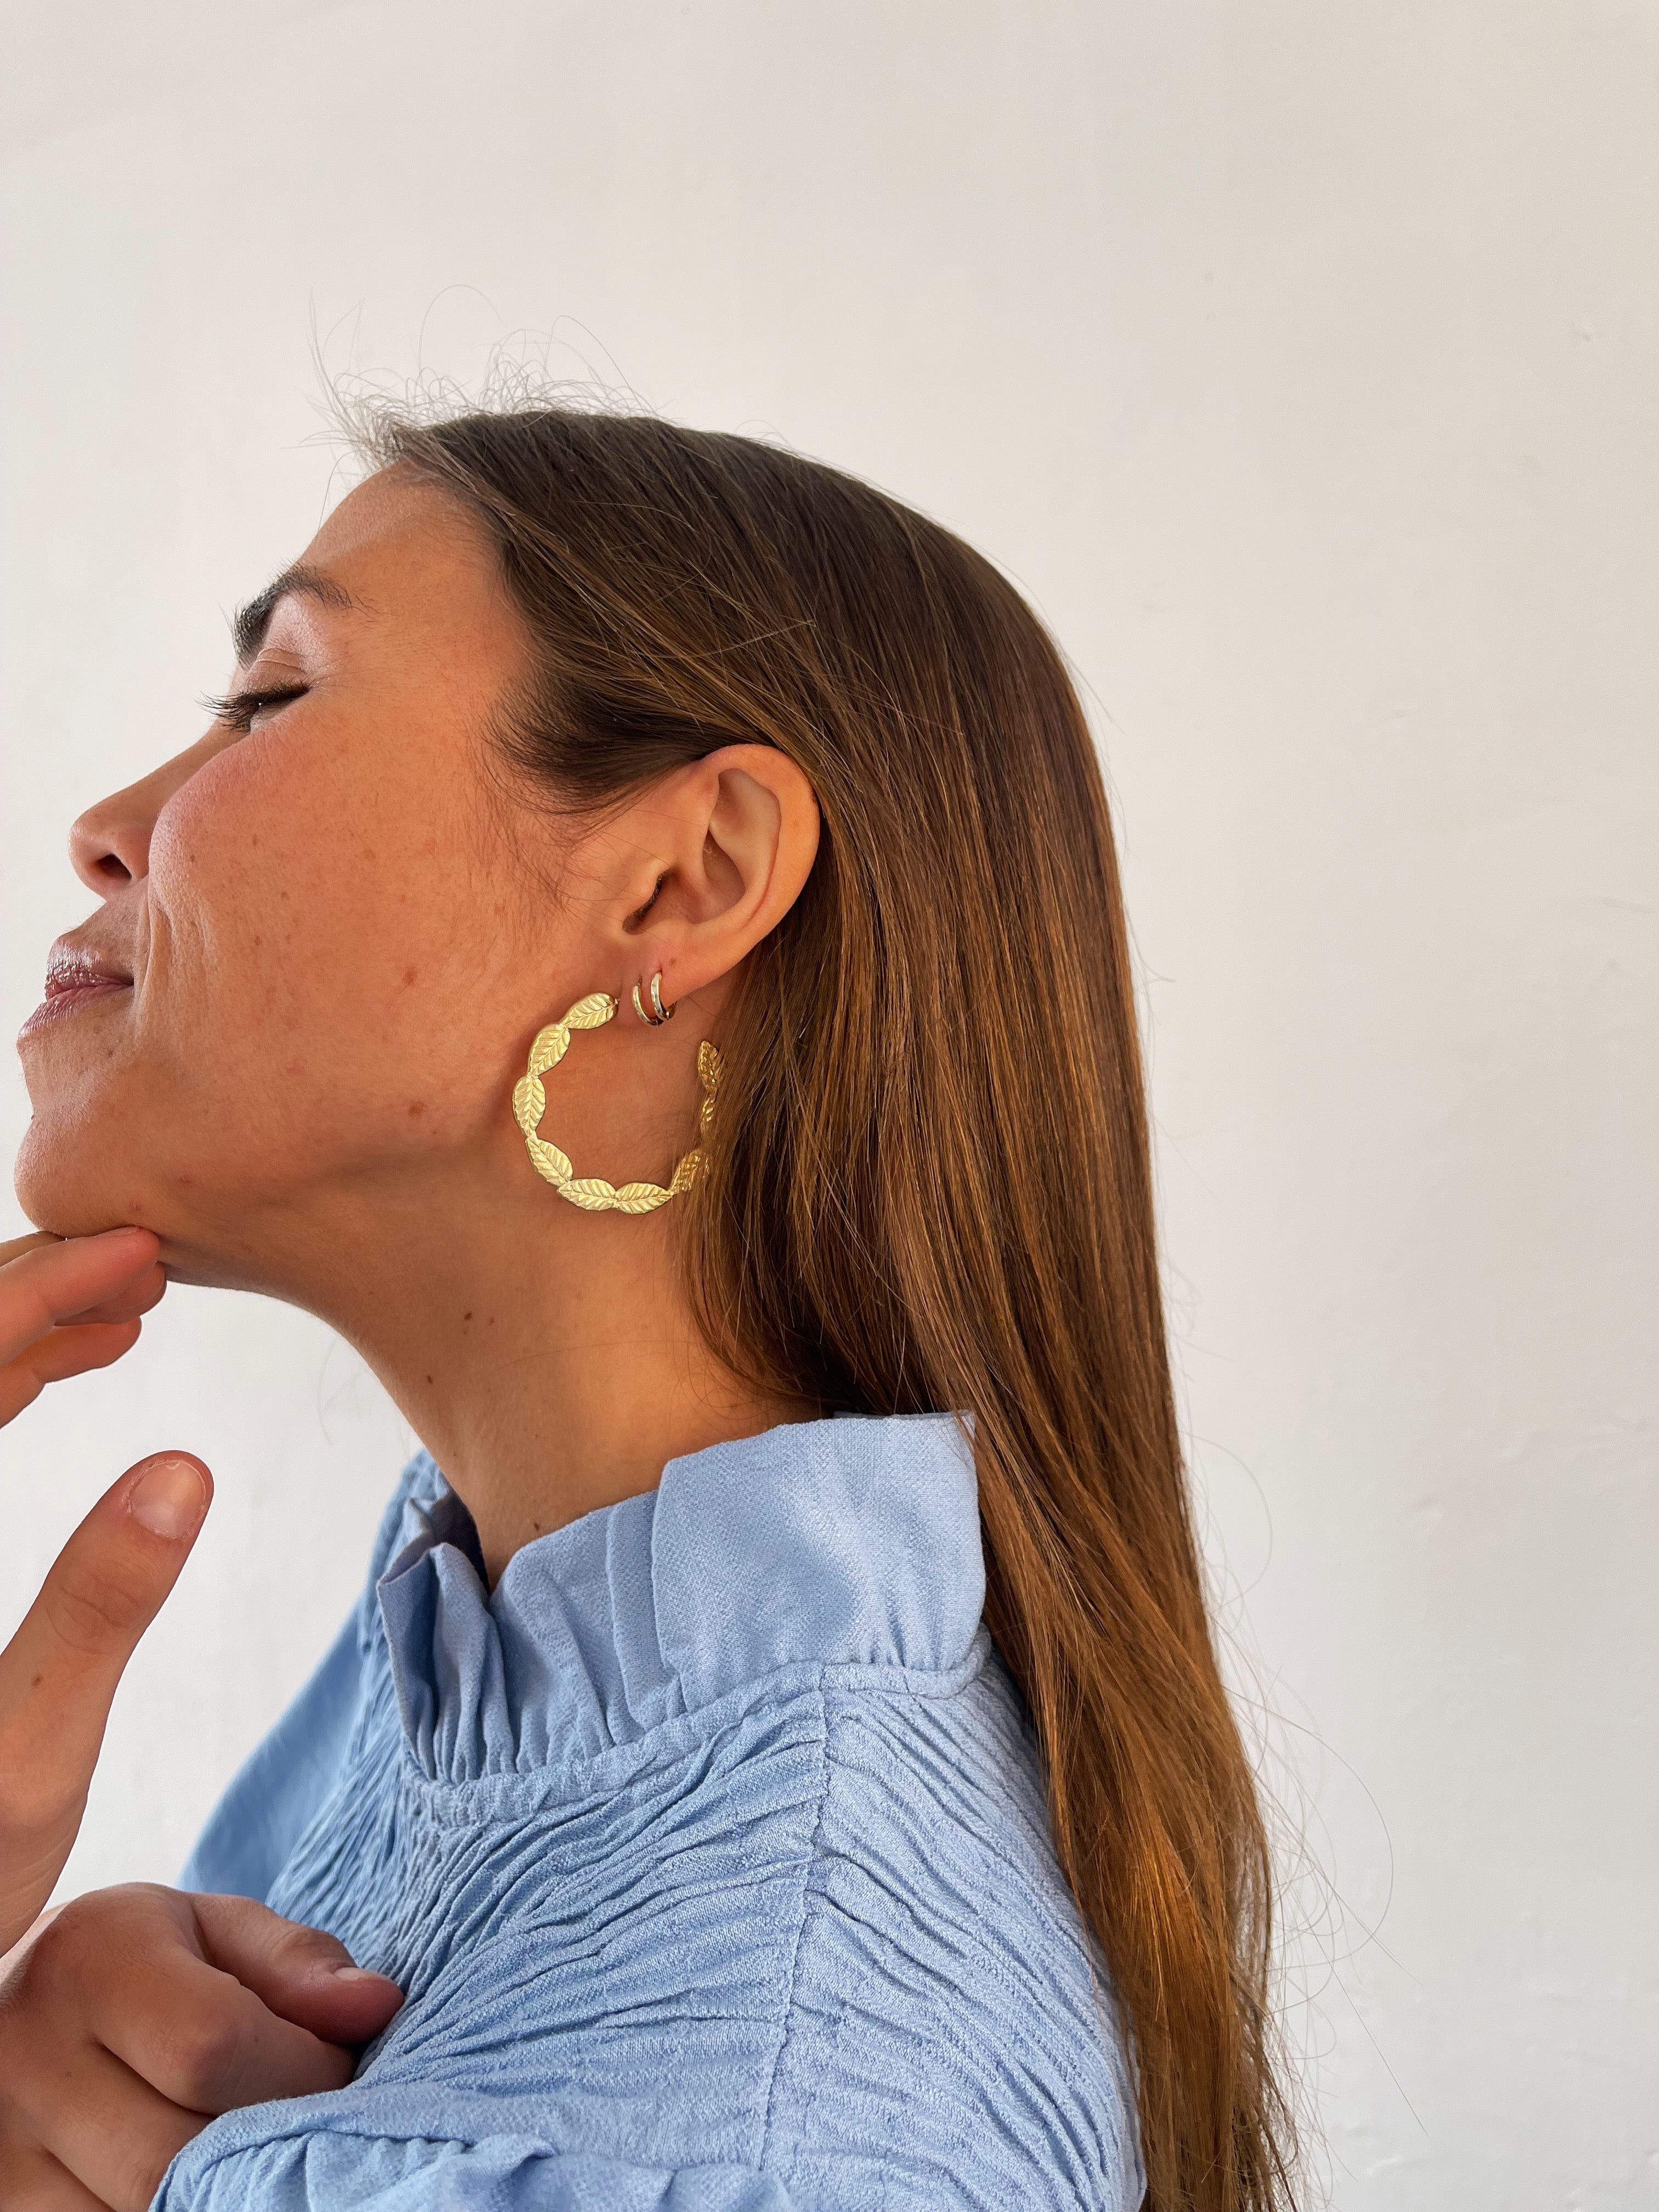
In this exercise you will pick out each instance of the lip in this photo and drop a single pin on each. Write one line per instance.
(75, 979)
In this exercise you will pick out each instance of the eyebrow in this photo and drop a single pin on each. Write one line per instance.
(249, 623)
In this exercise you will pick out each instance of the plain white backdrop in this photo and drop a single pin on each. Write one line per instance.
(1297, 358)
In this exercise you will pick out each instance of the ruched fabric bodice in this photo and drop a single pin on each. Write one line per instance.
(710, 1850)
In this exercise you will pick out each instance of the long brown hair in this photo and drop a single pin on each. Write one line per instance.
(937, 1194)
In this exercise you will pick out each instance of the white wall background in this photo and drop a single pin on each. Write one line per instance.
(1297, 356)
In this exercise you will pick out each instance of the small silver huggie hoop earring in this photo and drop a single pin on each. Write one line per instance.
(654, 1020)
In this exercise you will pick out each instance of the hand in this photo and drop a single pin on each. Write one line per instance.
(66, 1306)
(134, 2013)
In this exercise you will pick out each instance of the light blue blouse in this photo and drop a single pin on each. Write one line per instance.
(711, 1851)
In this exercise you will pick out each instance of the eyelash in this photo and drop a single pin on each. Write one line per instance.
(236, 710)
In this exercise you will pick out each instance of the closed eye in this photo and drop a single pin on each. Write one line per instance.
(239, 710)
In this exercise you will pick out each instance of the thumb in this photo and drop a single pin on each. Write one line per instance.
(58, 1674)
(303, 1974)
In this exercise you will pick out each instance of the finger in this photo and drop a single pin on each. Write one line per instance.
(48, 1283)
(63, 1352)
(136, 1298)
(36, 2183)
(129, 1965)
(58, 1673)
(302, 1973)
(115, 2134)
(36, 1928)
(13, 1248)
(202, 2041)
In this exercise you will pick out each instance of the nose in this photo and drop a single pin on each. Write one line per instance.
(110, 843)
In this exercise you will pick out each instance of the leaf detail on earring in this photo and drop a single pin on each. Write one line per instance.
(592, 1193)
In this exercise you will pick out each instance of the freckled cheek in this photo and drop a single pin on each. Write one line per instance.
(248, 918)
(302, 939)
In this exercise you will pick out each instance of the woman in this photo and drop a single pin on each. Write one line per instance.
(781, 1759)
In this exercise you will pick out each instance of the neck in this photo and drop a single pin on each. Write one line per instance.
(546, 1357)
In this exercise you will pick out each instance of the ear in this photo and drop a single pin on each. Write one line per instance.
(707, 861)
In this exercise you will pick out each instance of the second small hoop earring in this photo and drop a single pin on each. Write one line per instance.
(660, 1014)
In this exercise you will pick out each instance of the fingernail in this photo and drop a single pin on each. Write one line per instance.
(170, 1498)
(352, 1975)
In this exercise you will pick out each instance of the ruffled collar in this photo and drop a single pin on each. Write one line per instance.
(849, 1543)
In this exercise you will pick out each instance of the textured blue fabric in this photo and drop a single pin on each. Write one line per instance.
(711, 1851)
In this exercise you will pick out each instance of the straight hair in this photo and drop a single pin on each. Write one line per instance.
(936, 1196)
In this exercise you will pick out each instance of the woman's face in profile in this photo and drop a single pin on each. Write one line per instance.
(317, 931)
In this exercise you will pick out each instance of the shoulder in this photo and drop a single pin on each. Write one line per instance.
(944, 1999)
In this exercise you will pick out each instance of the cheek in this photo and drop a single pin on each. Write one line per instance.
(330, 960)
(249, 900)
(338, 971)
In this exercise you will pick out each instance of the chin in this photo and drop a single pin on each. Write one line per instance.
(75, 1183)
(69, 1186)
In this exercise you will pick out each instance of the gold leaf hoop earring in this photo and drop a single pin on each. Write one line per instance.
(592, 1193)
